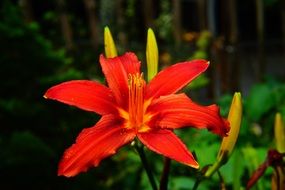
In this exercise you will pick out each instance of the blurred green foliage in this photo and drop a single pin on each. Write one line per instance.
(29, 137)
(202, 45)
(266, 98)
(164, 22)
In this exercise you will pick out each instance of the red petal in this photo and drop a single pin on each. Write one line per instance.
(94, 144)
(165, 142)
(175, 77)
(87, 95)
(177, 110)
(131, 63)
(116, 71)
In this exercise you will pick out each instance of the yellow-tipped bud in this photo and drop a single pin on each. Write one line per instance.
(229, 142)
(279, 133)
(234, 118)
(151, 55)
(110, 47)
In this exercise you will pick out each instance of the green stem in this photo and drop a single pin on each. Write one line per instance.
(222, 181)
(197, 182)
(140, 150)
(212, 169)
(165, 174)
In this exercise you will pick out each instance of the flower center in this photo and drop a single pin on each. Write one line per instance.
(136, 117)
(136, 100)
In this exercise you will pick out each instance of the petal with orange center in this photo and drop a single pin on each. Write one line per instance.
(175, 77)
(178, 110)
(87, 95)
(94, 144)
(116, 71)
(165, 142)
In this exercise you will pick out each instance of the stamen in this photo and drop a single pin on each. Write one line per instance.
(136, 100)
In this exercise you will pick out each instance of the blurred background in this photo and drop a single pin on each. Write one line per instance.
(43, 43)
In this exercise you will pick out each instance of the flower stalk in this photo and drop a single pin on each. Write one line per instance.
(165, 174)
(140, 150)
(278, 177)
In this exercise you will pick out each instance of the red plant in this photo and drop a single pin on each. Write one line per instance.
(274, 159)
(131, 108)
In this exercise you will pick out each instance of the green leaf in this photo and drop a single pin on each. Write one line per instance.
(260, 101)
(197, 83)
(233, 170)
(224, 102)
(253, 157)
(184, 183)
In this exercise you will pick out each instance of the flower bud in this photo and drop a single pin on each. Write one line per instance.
(110, 47)
(279, 133)
(234, 118)
(151, 55)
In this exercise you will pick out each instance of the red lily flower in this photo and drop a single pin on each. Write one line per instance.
(131, 108)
